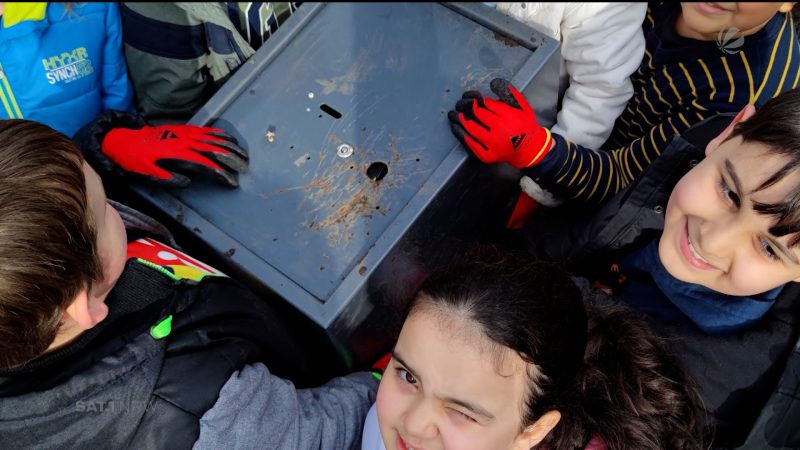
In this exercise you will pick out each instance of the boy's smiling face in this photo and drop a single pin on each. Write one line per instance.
(713, 236)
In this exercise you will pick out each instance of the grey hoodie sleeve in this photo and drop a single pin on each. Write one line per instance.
(256, 409)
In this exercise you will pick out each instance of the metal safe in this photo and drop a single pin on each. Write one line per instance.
(356, 183)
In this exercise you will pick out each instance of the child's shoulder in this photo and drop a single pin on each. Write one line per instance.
(58, 11)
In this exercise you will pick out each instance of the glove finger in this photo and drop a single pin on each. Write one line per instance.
(217, 174)
(468, 108)
(478, 149)
(152, 172)
(216, 153)
(160, 176)
(188, 151)
(230, 160)
(502, 89)
(522, 101)
(473, 95)
(220, 135)
(465, 105)
(189, 131)
(483, 116)
(477, 131)
(180, 156)
(452, 116)
(499, 107)
(175, 180)
(218, 132)
(455, 118)
(458, 131)
(231, 147)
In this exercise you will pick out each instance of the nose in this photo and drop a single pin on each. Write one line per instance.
(719, 238)
(420, 421)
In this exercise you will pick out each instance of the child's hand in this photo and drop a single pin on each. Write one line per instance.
(158, 152)
(500, 131)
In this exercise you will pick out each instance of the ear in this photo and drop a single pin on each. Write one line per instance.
(744, 114)
(786, 7)
(532, 435)
(85, 311)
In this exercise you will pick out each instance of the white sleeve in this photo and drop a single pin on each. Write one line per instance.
(602, 45)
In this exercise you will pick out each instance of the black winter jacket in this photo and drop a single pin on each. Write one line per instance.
(741, 376)
(117, 386)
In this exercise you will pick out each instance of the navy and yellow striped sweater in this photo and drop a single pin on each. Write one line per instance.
(680, 82)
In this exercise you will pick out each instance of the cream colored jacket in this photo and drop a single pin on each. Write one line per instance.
(602, 44)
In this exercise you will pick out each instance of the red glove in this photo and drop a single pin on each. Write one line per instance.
(500, 131)
(157, 152)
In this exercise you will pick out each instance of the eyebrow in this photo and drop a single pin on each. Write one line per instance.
(773, 239)
(475, 409)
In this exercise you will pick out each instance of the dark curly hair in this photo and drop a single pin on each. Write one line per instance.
(777, 126)
(602, 368)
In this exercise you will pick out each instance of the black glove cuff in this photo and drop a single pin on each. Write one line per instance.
(89, 139)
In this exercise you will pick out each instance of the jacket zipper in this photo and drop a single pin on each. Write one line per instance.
(6, 89)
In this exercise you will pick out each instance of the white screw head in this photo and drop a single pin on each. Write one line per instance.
(344, 150)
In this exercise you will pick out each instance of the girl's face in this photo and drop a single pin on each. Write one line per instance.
(448, 386)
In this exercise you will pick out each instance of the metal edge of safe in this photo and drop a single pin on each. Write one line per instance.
(325, 313)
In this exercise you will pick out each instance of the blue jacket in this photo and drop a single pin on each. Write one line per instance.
(62, 67)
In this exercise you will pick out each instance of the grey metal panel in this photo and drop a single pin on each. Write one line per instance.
(313, 226)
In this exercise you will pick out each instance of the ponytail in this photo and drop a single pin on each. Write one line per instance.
(630, 391)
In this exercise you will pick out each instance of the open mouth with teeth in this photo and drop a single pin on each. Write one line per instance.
(692, 256)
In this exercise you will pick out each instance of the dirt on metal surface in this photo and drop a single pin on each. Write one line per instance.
(505, 40)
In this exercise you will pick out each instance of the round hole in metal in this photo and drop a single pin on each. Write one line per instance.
(377, 170)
